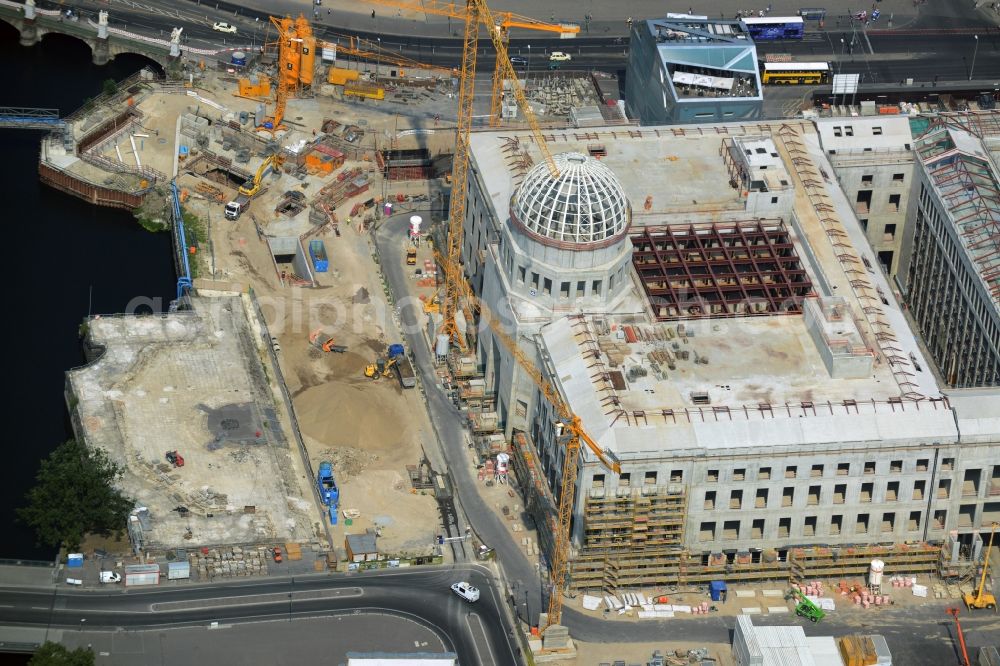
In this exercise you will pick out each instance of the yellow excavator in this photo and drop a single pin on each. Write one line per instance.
(250, 188)
(982, 598)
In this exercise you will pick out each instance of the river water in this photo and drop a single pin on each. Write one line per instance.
(67, 257)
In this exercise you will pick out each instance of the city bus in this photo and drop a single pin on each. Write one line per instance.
(789, 73)
(769, 29)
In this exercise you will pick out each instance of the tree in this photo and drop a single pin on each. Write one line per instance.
(110, 86)
(54, 654)
(74, 495)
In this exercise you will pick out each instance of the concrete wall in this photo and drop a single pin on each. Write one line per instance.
(881, 164)
(794, 514)
(957, 319)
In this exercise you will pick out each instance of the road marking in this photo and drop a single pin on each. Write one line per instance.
(473, 619)
(258, 599)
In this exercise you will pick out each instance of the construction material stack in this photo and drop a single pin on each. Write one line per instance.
(864, 651)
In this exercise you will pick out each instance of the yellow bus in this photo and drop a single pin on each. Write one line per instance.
(794, 73)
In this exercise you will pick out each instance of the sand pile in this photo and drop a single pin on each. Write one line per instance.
(358, 415)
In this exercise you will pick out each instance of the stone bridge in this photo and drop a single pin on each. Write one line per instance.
(105, 42)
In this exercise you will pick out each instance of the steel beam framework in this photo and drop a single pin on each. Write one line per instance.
(735, 270)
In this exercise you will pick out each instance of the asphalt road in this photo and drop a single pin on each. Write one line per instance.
(926, 51)
(522, 575)
(478, 633)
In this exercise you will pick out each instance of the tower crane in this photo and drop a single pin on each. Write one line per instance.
(570, 431)
(286, 42)
(476, 12)
(501, 21)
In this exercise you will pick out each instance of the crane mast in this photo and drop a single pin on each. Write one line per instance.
(571, 432)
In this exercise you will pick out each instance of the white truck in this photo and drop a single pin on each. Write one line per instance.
(237, 206)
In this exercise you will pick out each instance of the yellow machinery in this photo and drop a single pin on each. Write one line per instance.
(411, 256)
(983, 598)
(570, 433)
(364, 90)
(252, 187)
(499, 22)
(433, 306)
(380, 368)
(259, 90)
(288, 60)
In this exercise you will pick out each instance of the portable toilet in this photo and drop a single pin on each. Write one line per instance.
(74, 560)
(717, 590)
(333, 514)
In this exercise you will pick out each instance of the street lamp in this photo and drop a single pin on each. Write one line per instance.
(974, 52)
(527, 70)
(378, 59)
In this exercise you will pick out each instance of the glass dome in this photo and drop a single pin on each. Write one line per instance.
(584, 205)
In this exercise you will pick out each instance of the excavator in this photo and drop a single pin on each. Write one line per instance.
(983, 598)
(251, 188)
(380, 368)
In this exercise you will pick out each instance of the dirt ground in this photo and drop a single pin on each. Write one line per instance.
(370, 429)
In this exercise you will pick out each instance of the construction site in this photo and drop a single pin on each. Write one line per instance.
(675, 360)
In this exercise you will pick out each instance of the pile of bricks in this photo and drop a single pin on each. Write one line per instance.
(230, 562)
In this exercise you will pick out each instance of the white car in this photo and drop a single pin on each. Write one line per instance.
(224, 27)
(466, 591)
(559, 56)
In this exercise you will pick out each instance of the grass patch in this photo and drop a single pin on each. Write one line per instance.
(155, 225)
(196, 236)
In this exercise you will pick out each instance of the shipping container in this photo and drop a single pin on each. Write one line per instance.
(317, 253)
(178, 570)
(142, 574)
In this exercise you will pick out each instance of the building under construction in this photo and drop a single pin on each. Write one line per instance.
(705, 301)
(954, 266)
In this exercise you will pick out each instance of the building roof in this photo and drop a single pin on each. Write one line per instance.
(960, 169)
(362, 543)
(707, 57)
(755, 381)
(584, 205)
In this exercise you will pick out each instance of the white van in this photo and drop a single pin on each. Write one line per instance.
(466, 591)
(110, 577)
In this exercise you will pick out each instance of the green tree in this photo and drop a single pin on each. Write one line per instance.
(74, 495)
(110, 86)
(54, 654)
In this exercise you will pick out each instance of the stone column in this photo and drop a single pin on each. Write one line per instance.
(29, 30)
(102, 54)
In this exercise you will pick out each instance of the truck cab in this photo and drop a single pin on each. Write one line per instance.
(236, 207)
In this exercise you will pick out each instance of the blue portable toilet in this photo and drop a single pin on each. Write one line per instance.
(333, 514)
(717, 589)
(74, 560)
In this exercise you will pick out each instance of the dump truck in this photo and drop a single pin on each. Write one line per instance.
(237, 207)
(327, 486)
(401, 363)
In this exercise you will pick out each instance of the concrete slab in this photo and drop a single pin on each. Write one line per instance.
(193, 382)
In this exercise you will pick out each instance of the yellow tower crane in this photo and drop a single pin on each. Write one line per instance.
(500, 21)
(569, 429)
(287, 42)
(476, 12)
